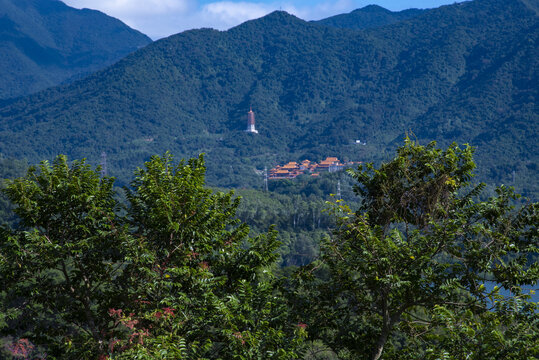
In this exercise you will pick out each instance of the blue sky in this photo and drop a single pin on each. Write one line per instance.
(160, 18)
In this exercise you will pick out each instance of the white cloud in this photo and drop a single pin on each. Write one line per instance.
(159, 18)
(119, 8)
(223, 15)
(228, 13)
(324, 9)
(155, 18)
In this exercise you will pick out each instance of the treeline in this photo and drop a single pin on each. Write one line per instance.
(299, 210)
(418, 270)
(301, 222)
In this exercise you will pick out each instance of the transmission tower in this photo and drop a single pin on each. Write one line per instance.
(339, 189)
(103, 164)
(266, 178)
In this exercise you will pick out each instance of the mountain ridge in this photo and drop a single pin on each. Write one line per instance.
(370, 16)
(45, 43)
(314, 88)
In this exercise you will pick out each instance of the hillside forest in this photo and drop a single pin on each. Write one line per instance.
(464, 72)
(46, 43)
(419, 268)
(137, 220)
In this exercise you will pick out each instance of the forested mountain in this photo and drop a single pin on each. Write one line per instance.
(465, 72)
(370, 16)
(45, 42)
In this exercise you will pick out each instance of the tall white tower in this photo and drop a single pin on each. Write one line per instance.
(251, 122)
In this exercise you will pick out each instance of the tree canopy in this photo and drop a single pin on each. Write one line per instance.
(172, 276)
(425, 268)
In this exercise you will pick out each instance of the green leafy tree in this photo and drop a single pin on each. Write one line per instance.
(173, 276)
(62, 271)
(411, 274)
(205, 288)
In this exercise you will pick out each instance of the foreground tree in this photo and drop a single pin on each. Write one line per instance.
(203, 283)
(62, 271)
(173, 276)
(423, 269)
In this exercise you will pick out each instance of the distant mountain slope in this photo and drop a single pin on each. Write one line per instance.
(45, 42)
(368, 17)
(498, 96)
(465, 72)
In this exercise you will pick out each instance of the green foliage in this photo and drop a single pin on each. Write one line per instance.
(463, 72)
(424, 268)
(197, 260)
(416, 187)
(173, 276)
(63, 273)
(508, 331)
(298, 211)
(301, 221)
(368, 17)
(407, 275)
